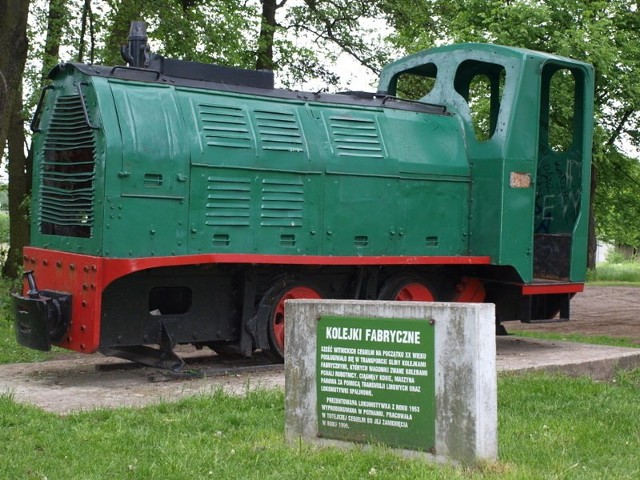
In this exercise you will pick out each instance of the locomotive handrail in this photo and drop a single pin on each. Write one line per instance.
(386, 97)
(138, 69)
(35, 122)
(84, 109)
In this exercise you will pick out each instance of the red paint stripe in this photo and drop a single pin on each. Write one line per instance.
(113, 268)
(552, 288)
(118, 267)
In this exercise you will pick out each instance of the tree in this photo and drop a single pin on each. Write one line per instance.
(20, 163)
(268, 26)
(620, 195)
(87, 20)
(199, 30)
(19, 188)
(332, 28)
(13, 55)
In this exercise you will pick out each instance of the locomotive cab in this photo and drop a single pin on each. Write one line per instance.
(528, 124)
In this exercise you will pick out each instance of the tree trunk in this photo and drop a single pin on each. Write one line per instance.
(264, 55)
(13, 55)
(86, 22)
(55, 21)
(19, 164)
(18, 192)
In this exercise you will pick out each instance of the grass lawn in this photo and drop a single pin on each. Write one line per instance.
(579, 338)
(615, 274)
(11, 352)
(549, 427)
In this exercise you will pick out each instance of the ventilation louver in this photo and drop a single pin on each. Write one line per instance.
(67, 172)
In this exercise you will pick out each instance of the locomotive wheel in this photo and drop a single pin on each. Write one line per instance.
(470, 290)
(407, 288)
(275, 327)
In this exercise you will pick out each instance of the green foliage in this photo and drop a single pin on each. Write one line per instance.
(4, 228)
(308, 36)
(206, 31)
(615, 256)
(549, 427)
(618, 199)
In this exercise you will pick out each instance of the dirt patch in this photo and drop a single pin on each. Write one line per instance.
(610, 311)
(74, 383)
(95, 381)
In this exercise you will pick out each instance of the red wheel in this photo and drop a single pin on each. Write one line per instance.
(470, 290)
(276, 319)
(407, 288)
(414, 292)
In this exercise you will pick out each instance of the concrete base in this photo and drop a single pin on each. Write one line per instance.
(600, 362)
(465, 372)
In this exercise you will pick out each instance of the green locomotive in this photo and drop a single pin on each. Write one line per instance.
(182, 203)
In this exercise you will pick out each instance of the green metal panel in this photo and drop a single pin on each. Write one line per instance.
(221, 212)
(360, 215)
(244, 142)
(254, 183)
(418, 217)
(155, 149)
(434, 217)
(563, 173)
(241, 131)
(357, 147)
(357, 144)
(248, 211)
(68, 196)
(147, 213)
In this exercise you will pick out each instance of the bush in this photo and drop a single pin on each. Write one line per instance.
(615, 256)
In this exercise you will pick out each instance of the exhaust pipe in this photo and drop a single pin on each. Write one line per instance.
(136, 52)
